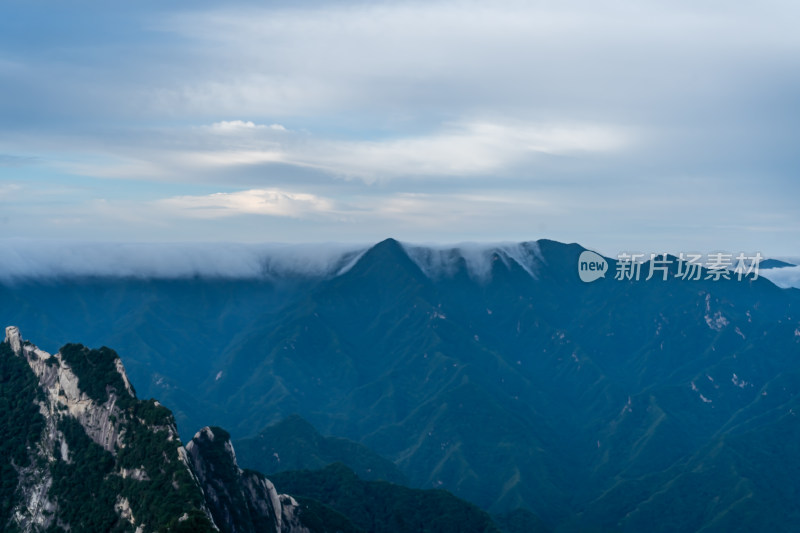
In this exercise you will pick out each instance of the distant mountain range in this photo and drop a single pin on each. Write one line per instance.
(493, 372)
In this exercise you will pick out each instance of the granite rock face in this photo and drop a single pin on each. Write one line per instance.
(106, 460)
(244, 500)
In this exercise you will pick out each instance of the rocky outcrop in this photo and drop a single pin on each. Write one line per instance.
(105, 460)
(62, 392)
(112, 421)
(241, 501)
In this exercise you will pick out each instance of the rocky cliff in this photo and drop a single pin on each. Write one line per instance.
(82, 453)
(244, 499)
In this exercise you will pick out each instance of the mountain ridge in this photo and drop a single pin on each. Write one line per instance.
(566, 398)
(294, 444)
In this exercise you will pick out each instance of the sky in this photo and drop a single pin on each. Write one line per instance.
(619, 125)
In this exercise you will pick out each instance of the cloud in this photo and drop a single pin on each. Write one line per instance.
(223, 158)
(783, 277)
(451, 58)
(209, 153)
(8, 160)
(441, 261)
(637, 125)
(458, 150)
(23, 259)
(7, 190)
(466, 149)
(272, 202)
(226, 126)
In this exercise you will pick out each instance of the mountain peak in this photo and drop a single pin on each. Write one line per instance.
(87, 431)
(14, 339)
(388, 247)
(386, 260)
(768, 264)
(243, 500)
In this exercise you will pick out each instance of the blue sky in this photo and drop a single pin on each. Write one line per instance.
(619, 125)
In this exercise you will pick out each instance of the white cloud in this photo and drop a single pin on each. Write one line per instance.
(9, 189)
(610, 118)
(783, 277)
(461, 55)
(273, 202)
(220, 158)
(465, 149)
(23, 259)
(459, 150)
(226, 126)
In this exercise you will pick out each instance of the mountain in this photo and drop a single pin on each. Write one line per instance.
(528, 388)
(774, 263)
(244, 500)
(82, 453)
(380, 506)
(493, 372)
(294, 444)
(161, 325)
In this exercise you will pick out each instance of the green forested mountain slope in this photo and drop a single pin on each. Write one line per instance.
(379, 506)
(294, 444)
(91, 456)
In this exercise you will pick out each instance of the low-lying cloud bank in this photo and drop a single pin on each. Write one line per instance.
(438, 261)
(23, 260)
(783, 277)
(27, 260)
